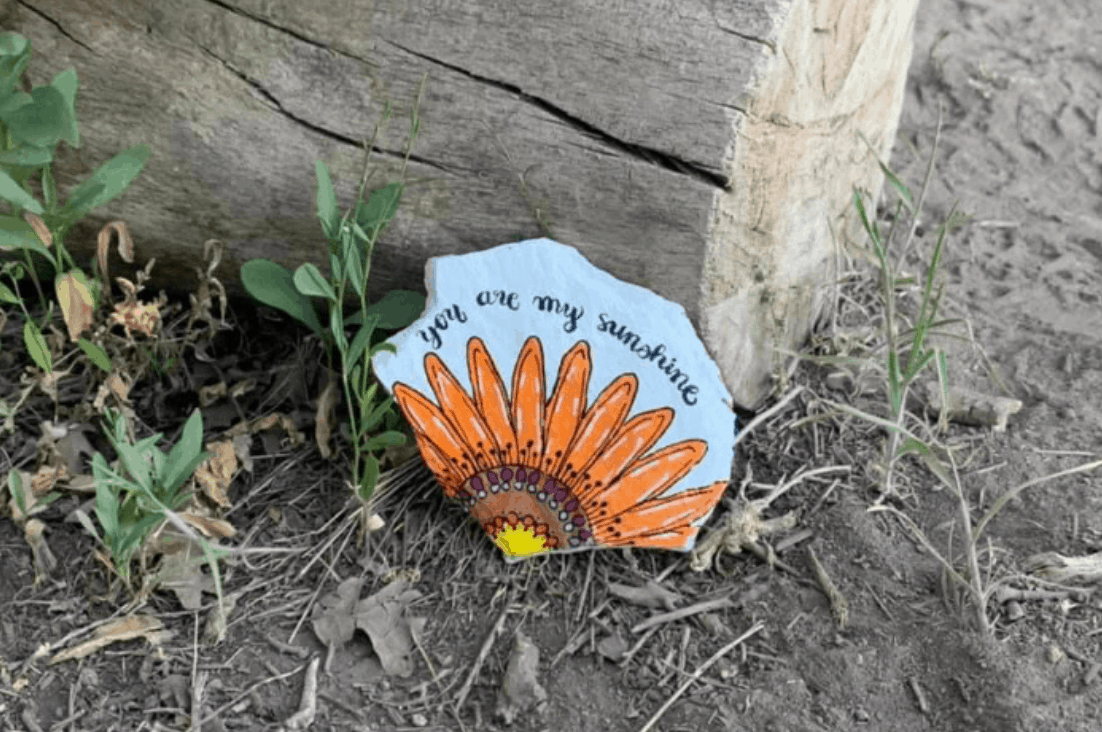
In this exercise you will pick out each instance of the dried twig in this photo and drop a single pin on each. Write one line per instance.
(483, 653)
(308, 707)
(685, 612)
(839, 608)
(754, 629)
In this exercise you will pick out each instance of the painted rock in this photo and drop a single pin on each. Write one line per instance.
(564, 408)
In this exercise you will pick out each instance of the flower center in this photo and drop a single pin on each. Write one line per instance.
(512, 500)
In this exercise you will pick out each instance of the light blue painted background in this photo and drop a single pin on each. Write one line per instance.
(544, 267)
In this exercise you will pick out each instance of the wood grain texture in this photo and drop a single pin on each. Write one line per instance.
(616, 127)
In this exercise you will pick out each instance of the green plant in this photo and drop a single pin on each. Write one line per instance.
(906, 361)
(150, 488)
(351, 241)
(31, 126)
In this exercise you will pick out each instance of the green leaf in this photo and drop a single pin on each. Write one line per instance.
(327, 201)
(870, 228)
(366, 400)
(381, 207)
(396, 310)
(26, 156)
(13, 193)
(13, 102)
(66, 83)
(379, 347)
(44, 121)
(354, 265)
(36, 346)
(6, 295)
(361, 340)
(15, 55)
(135, 458)
(135, 536)
(273, 285)
(369, 479)
(309, 281)
(385, 439)
(114, 176)
(107, 503)
(377, 414)
(337, 329)
(15, 487)
(899, 186)
(335, 267)
(910, 445)
(86, 522)
(185, 455)
(98, 356)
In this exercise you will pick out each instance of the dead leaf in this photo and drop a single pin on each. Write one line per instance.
(209, 526)
(1056, 567)
(613, 647)
(243, 387)
(136, 316)
(210, 394)
(215, 474)
(383, 616)
(103, 243)
(520, 689)
(115, 384)
(82, 483)
(123, 629)
(243, 447)
(268, 422)
(214, 629)
(323, 422)
(46, 477)
(334, 617)
(77, 306)
(181, 568)
(44, 561)
(40, 228)
(209, 286)
(650, 595)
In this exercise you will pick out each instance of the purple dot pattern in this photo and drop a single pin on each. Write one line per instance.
(529, 494)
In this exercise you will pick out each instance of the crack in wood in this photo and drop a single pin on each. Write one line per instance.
(638, 152)
(329, 134)
(60, 28)
(269, 24)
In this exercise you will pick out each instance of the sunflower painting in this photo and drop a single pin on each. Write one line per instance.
(544, 474)
(556, 426)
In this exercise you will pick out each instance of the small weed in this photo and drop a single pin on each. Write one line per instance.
(351, 241)
(31, 126)
(908, 355)
(149, 490)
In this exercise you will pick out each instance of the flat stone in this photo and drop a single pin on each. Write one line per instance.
(564, 408)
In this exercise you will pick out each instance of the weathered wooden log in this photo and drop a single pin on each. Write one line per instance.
(705, 150)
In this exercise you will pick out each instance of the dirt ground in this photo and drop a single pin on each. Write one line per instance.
(1020, 149)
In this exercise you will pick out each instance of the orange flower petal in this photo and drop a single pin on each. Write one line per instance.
(567, 406)
(646, 479)
(659, 514)
(491, 400)
(600, 424)
(636, 437)
(528, 403)
(460, 412)
(430, 425)
(675, 539)
(437, 462)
